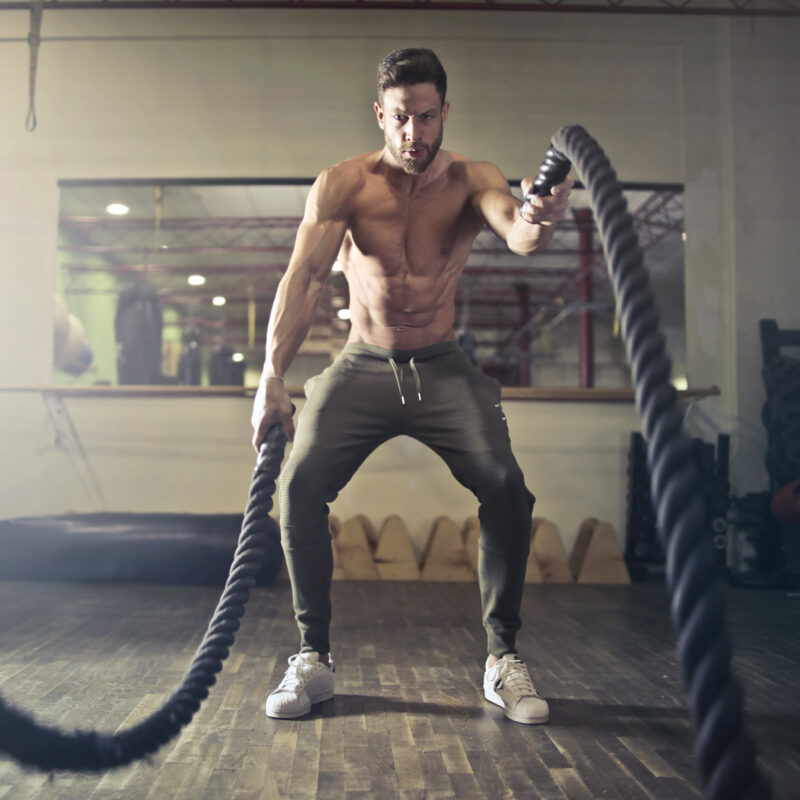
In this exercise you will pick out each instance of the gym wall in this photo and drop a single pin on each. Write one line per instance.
(710, 103)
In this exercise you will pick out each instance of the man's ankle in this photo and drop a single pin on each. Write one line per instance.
(324, 658)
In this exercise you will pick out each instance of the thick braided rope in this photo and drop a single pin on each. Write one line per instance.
(723, 750)
(49, 748)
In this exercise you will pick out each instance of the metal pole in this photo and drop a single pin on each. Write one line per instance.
(583, 219)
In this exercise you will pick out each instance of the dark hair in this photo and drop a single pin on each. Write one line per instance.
(411, 66)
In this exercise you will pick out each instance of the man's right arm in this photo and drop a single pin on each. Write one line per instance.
(319, 238)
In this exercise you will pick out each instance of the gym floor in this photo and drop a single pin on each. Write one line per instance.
(409, 719)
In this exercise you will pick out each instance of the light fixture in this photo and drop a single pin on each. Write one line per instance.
(337, 267)
(117, 209)
(237, 357)
(196, 280)
(680, 383)
(219, 300)
(683, 236)
(343, 313)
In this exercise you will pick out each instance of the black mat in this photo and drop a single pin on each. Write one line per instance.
(145, 548)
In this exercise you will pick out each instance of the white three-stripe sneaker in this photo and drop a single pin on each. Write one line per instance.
(508, 684)
(306, 681)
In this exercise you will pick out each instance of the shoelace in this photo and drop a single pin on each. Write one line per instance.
(298, 673)
(516, 677)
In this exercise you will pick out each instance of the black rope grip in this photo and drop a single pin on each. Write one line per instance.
(49, 748)
(553, 171)
(723, 750)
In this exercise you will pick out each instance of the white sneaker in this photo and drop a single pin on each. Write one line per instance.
(509, 685)
(306, 681)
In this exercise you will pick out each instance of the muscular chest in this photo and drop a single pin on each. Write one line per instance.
(413, 233)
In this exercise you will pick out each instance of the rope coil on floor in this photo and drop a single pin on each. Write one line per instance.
(52, 749)
(724, 752)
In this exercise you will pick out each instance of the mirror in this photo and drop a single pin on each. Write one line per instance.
(171, 282)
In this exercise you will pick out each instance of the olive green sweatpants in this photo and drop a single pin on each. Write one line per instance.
(435, 395)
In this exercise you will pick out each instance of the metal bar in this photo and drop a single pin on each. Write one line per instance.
(188, 223)
(584, 218)
(745, 10)
(68, 440)
(474, 270)
(102, 249)
(524, 341)
(534, 393)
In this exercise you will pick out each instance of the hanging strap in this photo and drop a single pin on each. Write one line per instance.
(34, 39)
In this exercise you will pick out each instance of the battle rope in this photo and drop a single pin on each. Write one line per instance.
(723, 750)
(725, 754)
(53, 749)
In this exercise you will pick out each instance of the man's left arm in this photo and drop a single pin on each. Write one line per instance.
(525, 229)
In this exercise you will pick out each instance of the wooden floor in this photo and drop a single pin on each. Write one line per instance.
(409, 720)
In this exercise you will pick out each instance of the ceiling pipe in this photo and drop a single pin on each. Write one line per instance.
(744, 9)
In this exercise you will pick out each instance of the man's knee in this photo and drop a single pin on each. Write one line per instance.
(504, 483)
(505, 512)
(303, 504)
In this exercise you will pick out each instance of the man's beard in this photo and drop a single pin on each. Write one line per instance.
(415, 166)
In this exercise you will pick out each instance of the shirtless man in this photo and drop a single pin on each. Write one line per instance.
(401, 222)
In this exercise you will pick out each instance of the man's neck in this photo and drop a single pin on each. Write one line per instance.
(409, 184)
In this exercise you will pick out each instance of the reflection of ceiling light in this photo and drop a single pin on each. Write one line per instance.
(219, 300)
(337, 267)
(680, 383)
(117, 209)
(238, 356)
(343, 313)
(196, 280)
(683, 236)
(165, 247)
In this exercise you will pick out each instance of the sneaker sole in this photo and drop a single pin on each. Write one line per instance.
(493, 697)
(327, 695)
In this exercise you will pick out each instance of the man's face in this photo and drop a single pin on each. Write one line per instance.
(412, 119)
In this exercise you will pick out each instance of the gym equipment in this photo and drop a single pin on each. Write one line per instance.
(71, 352)
(781, 411)
(725, 754)
(190, 363)
(52, 749)
(145, 548)
(785, 504)
(644, 553)
(138, 326)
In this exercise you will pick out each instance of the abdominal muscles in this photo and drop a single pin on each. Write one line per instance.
(402, 310)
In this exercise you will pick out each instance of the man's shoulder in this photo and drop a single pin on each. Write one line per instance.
(477, 174)
(471, 168)
(337, 186)
(350, 171)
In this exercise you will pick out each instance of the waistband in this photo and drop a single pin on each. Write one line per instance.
(401, 356)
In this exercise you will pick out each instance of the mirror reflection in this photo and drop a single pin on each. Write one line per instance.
(171, 283)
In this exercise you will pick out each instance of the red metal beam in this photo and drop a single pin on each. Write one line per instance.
(188, 223)
(108, 249)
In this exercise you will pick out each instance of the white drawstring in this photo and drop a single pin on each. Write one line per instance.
(397, 378)
(416, 379)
